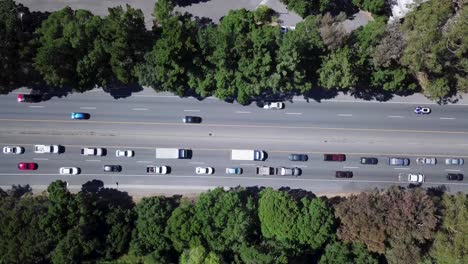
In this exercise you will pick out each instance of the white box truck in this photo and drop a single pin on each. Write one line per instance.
(247, 154)
(172, 153)
(46, 149)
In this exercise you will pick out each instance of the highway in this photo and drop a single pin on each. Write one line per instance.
(147, 120)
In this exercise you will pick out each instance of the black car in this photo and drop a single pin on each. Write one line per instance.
(192, 119)
(298, 157)
(112, 168)
(455, 177)
(371, 161)
(344, 174)
(334, 157)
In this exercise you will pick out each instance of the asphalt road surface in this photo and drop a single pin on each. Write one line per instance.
(148, 120)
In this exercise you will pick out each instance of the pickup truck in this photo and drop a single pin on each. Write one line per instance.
(157, 169)
(46, 149)
(92, 151)
(264, 170)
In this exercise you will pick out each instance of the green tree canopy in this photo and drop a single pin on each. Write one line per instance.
(152, 216)
(451, 241)
(309, 222)
(338, 70)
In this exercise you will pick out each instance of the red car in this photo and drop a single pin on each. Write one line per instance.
(28, 98)
(27, 166)
(334, 157)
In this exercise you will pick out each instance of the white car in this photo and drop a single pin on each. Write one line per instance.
(69, 170)
(204, 170)
(426, 161)
(124, 153)
(422, 110)
(13, 150)
(274, 106)
(411, 177)
(157, 169)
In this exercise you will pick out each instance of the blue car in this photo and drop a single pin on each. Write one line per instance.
(79, 115)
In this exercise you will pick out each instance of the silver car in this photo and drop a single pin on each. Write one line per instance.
(411, 177)
(398, 161)
(426, 161)
(454, 161)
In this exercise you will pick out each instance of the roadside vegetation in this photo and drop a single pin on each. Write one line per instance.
(241, 225)
(245, 56)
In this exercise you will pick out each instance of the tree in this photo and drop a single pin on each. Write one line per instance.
(66, 54)
(180, 230)
(152, 216)
(389, 222)
(125, 40)
(332, 30)
(170, 63)
(9, 45)
(23, 241)
(224, 218)
(450, 243)
(298, 57)
(428, 54)
(263, 14)
(198, 255)
(343, 253)
(309, 222)
(337, 70)
(378, 7)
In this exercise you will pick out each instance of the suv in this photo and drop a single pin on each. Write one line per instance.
(455, 177)
(192, 119)
(274, 106)
(344, 174)
(371, 161)
(398, 161)
(334, 157)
